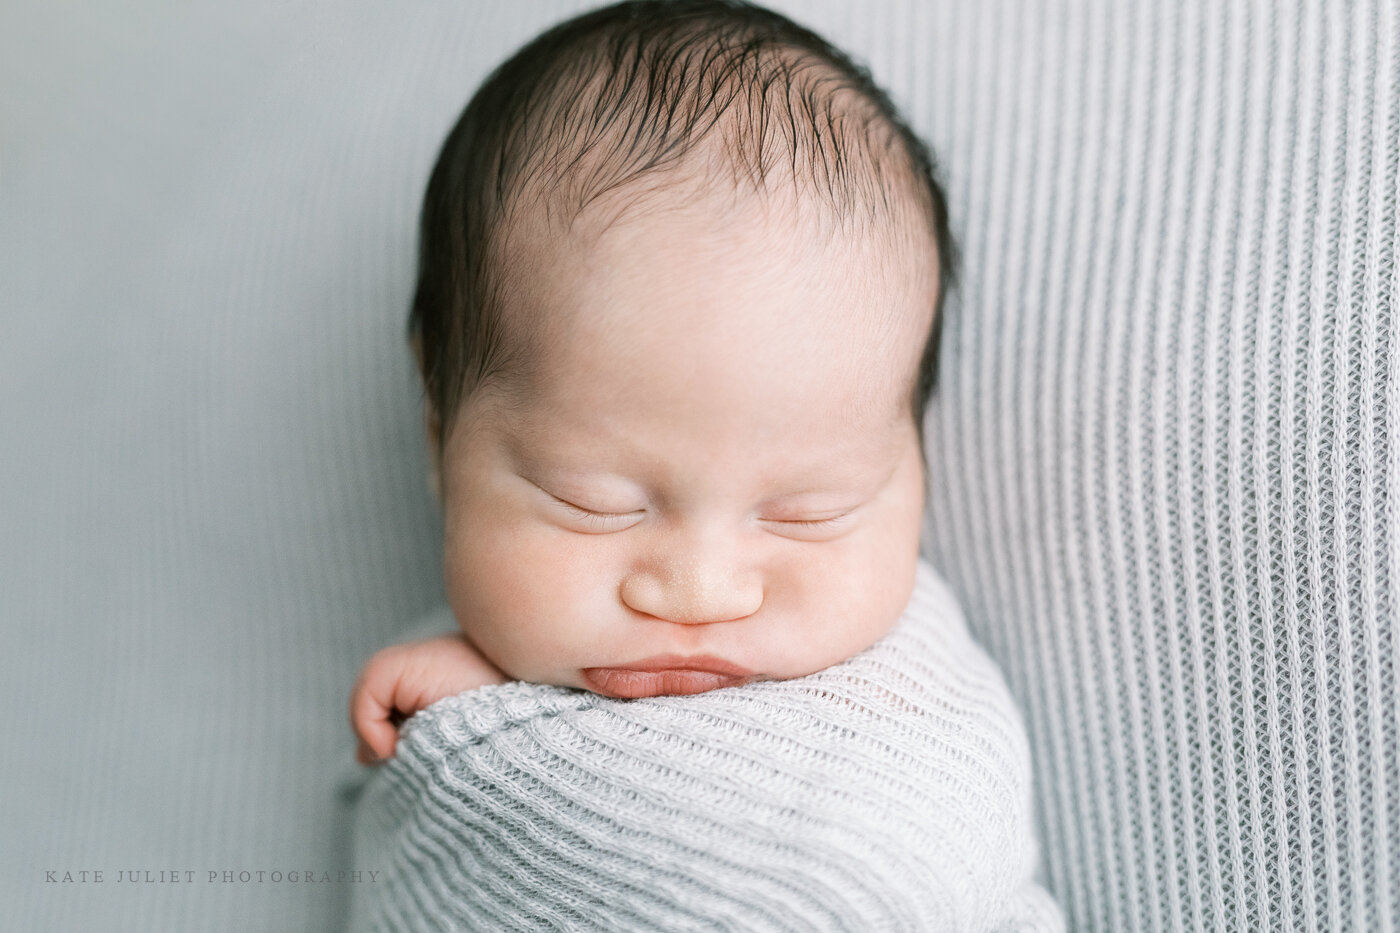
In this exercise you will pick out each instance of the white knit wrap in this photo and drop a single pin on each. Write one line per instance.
(888, 792)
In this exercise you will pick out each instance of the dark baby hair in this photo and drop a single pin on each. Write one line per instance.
(619, 95)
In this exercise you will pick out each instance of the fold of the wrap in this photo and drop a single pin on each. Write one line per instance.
(888, 792)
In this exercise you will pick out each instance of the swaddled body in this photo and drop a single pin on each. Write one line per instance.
(887, 792)
(677, 318)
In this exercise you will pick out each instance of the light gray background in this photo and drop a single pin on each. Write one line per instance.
(1164, 472)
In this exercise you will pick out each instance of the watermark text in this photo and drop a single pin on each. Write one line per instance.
(210, 876)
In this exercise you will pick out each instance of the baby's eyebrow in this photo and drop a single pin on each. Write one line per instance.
(842, 484)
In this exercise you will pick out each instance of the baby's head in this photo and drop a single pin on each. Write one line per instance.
(677, 316)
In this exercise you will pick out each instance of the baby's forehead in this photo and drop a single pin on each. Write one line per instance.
(657, 229)
(676, 300)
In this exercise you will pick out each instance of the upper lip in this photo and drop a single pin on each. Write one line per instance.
(680, 662)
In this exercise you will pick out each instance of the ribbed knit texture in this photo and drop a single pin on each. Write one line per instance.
(1166, 466)
(1164, 456)
(889, 792)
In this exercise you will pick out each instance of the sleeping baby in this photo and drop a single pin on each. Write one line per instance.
(677, 315)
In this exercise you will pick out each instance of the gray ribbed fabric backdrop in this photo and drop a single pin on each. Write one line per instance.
(1164, 461)
(1166, 474)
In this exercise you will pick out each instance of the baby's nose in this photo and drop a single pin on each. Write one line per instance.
(694, 590)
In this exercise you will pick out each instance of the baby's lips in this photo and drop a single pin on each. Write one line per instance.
(625, 684)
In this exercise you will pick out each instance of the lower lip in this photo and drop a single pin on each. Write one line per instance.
(625, 685)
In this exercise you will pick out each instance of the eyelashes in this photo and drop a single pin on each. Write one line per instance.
(813, 523)
(815, 529)
(600, 522)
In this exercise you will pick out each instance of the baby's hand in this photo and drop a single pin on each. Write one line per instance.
(403, 679)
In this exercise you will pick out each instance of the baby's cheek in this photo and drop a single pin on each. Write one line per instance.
(865, 600)
(522, 594)
(855, 599)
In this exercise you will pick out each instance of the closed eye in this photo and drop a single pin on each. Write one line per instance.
(813, 522)
(812, 528)
(594, 520)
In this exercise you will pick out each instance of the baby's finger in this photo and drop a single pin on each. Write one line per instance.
(370, 717)
(377, 741)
